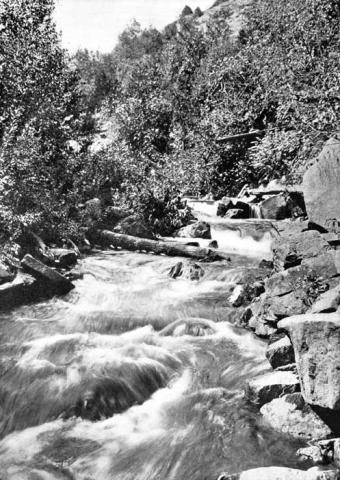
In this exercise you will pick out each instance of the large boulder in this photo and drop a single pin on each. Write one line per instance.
(265, 388)
(48, 278)
(291, 415)
(134, 225)
(316, 342)
(321, 187)
(195, 230)
(289, 251)
(281, 206)
(280, 352)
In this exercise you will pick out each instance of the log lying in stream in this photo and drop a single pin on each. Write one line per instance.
(172, 249)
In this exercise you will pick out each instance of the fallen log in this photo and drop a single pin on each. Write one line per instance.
(172, 249)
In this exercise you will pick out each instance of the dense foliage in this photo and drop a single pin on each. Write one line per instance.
(163, 100)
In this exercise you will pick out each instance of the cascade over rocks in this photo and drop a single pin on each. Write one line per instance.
(316, 342)
(321, 187)
(291, 415)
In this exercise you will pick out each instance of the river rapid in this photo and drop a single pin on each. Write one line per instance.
(103, 385)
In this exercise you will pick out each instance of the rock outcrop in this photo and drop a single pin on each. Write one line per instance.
(316, 342)
(289, 251)
(280, 352)
(321, 187)
(291, 415)
(265, 388)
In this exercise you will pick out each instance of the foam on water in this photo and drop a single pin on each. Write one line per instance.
(132, 376)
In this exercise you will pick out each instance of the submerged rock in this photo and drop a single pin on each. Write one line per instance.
(265, 388)
(291, 415)
(321, 187)
(187, 270)
(316, 342)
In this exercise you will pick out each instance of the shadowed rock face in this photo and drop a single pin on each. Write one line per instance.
(316, 341)
(321, 186)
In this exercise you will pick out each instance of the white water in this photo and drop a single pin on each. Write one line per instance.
(93, 387)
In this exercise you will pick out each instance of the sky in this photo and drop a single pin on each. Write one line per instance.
(96, 24)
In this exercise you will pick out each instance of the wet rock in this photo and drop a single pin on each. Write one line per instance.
(5, 274)
(49, 278)
(316, 342)
(237, 297)
(187, 270)
(23, 289)
(135, 226)
(196, 327)
(321, 186)
(64, 257)
(241, 209)
(328, 301)
(235, 213)
(265, 388)
(280, 352)
(195, 230)
(291, 415)
(282, 473)
(213, 244)
(290, 251)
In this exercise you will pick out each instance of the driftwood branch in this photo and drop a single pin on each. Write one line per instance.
(172, 249)
(240, 136)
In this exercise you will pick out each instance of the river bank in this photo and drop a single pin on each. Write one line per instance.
(145, 368)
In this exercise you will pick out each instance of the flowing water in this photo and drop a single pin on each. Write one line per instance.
(135, 375)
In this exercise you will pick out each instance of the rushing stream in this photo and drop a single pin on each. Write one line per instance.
(135, 375)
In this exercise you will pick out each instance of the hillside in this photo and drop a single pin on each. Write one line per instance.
(168, 99)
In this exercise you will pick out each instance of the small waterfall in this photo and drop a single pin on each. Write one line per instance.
(255, 211)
